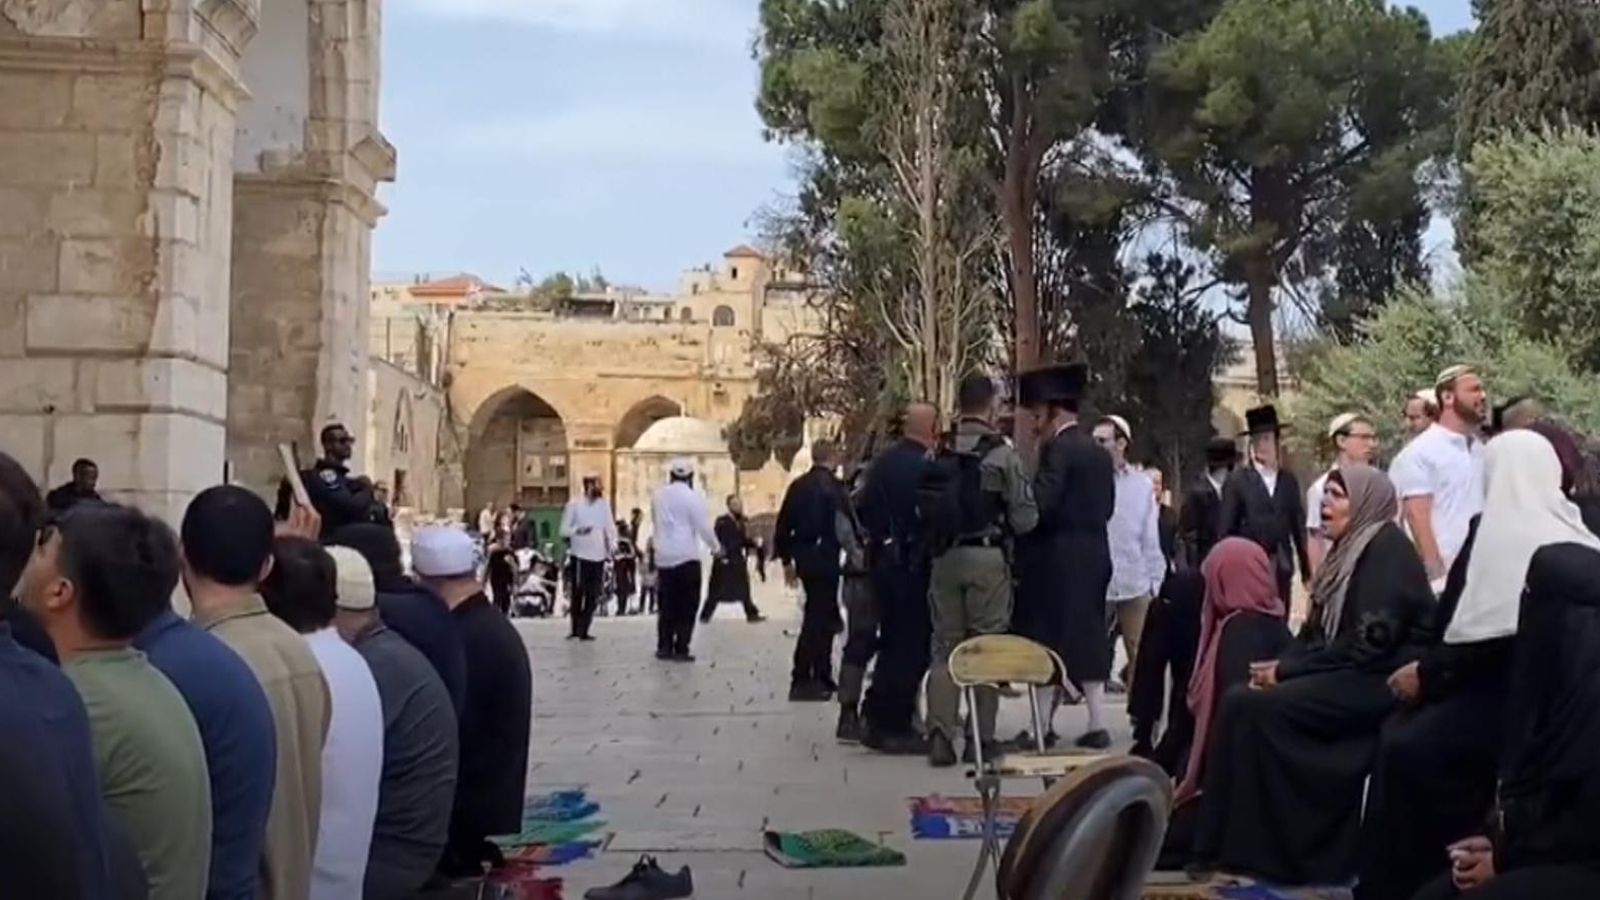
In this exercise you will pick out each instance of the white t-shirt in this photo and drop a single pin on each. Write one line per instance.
(1447, 467)
(352, 766)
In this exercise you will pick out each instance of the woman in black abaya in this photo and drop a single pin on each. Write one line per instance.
(1283, 782)
(1545, 844)
(1435, 775)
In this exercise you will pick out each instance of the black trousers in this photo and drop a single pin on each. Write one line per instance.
(501, 581)
(587, 580)
(710, 609)
(679, 598)
(819, 622)
(905, 636)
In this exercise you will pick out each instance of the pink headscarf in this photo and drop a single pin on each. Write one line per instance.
(1239, 578)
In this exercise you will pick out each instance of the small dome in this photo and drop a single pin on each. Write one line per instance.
(683, 435)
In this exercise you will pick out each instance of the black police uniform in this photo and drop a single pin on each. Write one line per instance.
(339, 499)
(804, 536)
(901, 564)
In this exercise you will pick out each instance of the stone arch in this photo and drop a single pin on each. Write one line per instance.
(641, 416)
(517, 452)
(723, 317)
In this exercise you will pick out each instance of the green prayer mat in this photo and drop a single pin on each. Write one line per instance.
(828, 849)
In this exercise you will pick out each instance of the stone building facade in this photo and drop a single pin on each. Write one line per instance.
(539, 399)
(189, 188)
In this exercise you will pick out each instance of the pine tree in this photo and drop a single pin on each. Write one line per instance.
(1534, 62)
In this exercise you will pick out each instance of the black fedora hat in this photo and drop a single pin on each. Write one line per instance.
(1221, 451)
(1059, 383)
(1263, 420)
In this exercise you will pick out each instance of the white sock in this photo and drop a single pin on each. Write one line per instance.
(1094, 695)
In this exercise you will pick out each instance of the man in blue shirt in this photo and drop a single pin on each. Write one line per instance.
(236, 729)
(53, 824)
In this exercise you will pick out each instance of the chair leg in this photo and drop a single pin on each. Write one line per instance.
(989, 795)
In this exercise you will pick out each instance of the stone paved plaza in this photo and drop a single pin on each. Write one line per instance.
(691, 762)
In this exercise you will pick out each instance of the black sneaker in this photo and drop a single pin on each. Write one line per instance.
(664, 655)
(1099, 739)
(1024, 743)
(941, 753)
(586, 637)
(647, 881)
(808, 693)
(683, 657)
(849, 730)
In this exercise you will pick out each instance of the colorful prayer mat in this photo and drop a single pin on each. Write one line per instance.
(938, 818)
(554, 828)
(828, 849)
(520, 881)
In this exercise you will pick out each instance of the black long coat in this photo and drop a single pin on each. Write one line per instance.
(1276, 521)
(730, 575)
(1065, 563)
(1199, 522)
(494, 724)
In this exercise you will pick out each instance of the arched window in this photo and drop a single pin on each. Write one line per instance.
(686, 314)
(722, 317)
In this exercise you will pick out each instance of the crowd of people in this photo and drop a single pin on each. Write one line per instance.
(1428, 731)
(320, 725)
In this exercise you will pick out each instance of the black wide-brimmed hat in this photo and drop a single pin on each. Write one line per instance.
(1262, 420)
(1052, 384)
(1221, 451)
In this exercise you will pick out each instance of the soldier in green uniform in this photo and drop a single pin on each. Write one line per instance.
(979, 497)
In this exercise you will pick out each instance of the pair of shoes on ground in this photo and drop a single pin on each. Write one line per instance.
(810, 692)
(580, 637)
(666, 656)
(1099, 739)
(647, 881)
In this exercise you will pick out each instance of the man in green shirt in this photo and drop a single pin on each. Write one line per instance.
(96, 578)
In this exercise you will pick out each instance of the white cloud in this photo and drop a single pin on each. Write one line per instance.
(603, 133)
(727, 23)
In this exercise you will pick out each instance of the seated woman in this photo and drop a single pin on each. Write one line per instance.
(1545, 845)
(1241, 622)
(1284, 775)
(1435, 775)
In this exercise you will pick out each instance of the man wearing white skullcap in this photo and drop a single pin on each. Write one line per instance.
(496, 713)
(420, 741)
(682, 523)
(1355, 441)
(1134, 533)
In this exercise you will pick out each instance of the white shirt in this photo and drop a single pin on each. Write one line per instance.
(1269, 477)
(1314, 502)
(1447, 467)
(486, 521)
(595, 544)
(352, 766)
(1137, 563)
(682, 522)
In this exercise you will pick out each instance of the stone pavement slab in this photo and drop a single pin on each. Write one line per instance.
(691, 762)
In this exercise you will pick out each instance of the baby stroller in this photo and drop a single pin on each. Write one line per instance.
(535, 593)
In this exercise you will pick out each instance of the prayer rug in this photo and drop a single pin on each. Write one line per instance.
(520, 881)
(938, 818)
(554, 828)
(828, 849)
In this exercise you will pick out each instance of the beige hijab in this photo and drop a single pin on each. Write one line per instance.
(1373, 504)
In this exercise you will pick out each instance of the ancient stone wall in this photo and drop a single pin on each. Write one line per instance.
(116, 135)
(408, 444)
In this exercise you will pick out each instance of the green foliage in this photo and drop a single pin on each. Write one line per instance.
(1538, 232)
(1404, 347)
(1285, 119)
(1532, 63)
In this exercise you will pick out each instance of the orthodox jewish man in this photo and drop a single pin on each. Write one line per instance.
(1065, 562)
(1263, 502)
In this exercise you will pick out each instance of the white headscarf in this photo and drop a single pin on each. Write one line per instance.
(1524, 511)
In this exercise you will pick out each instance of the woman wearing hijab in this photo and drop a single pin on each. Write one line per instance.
(1435, 775)
(1241, 622)
(1544, 844)
(1284, 774)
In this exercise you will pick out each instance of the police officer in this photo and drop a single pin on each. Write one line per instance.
(806, 542)
(898, 557)
(338, 498)
(970, 588)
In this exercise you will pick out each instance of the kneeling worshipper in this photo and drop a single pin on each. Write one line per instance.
(1435, 774)
(1284, 775)
(1242, 622)
(1544, 843)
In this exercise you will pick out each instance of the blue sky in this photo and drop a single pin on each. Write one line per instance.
(573, 134)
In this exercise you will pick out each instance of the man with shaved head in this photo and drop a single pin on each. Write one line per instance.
(900, 562)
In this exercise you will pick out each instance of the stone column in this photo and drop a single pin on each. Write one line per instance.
(116, 139)
(305, 184)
